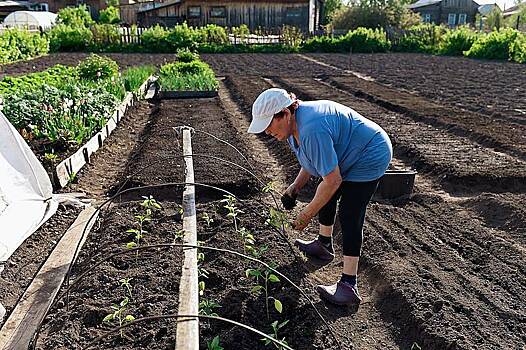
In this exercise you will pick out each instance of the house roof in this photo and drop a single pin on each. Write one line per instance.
(10, 3)
(513, 10)
(487, 8)
(422, 3)
(166, 4)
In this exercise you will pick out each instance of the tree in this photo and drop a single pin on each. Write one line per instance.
(75, 16)
(329, 9)
(110, 15)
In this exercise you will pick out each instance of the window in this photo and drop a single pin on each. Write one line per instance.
(293, 12)
(41, 7)
(218, 11)
(462, 18)
(426, 18)
(194, 11)
(452, 19)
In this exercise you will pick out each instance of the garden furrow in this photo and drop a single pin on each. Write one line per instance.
(456, 159)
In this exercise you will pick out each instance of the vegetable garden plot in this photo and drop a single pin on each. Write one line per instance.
(489, 87)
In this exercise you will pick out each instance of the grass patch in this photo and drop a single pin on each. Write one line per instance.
(187, 76)
(135, 76)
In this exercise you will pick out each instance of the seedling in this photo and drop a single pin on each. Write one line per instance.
(230, 205)
(179, 234)
(206, 307)
(415, 346)
(277, 219)
(248, 240)
(262, 284)
(119, 315)
(51, 157)
(214, 344)
(276, 327)
(150, 203)
(207, 219)
(72, 177)
(125, 282)
(269, 187)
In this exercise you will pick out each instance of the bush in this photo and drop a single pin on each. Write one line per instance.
(183, 36)
(213, 34)
(185, 55)
(18, 44)
(97, 67)
(154, 39)
(518, 49)
(494, 45)
(367, 40)
(66, 38)
(455, 42)
(110, 15)
(75, 16)
(323, 44)
(135, 76)
(421, 38)
(105, 34)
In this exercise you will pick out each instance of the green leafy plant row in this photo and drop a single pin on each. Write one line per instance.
(187, 76)
(18, 44)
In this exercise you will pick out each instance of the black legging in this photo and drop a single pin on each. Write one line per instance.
(353, 204)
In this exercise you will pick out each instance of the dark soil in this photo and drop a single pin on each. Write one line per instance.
(25, 262)
(494, 88)
(154, 277)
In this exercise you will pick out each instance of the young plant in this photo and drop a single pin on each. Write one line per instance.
(276, 327)
(206, 307)
(277, 219)
(150, 203)
(263, 278)
(125, 282)
(269, 187)
(119, 315)
(207, 219)
(233, 211)
(214, 344)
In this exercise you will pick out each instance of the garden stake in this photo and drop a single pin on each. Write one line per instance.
(171, 245)
(164, 317)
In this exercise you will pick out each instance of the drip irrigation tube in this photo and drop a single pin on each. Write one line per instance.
(163, 317)
(171, 245)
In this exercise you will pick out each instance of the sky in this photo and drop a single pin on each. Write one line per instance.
(502, 3)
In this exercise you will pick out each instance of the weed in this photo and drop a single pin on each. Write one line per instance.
(119, 314)
(276, 327)
(214, 344)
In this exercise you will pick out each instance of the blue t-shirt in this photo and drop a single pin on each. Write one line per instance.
(332, 134)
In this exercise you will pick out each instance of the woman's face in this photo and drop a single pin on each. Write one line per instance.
(280, 128)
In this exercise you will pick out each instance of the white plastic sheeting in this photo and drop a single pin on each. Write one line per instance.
(26, 199)
(30, 19)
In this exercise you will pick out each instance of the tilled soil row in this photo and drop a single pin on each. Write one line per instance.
(433, 264)
(480, 128)
(153, 284)
(456, 159)
(494, 88)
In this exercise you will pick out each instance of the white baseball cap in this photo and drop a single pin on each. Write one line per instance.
(268, 103)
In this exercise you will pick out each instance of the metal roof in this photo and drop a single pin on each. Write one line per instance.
(422, 3)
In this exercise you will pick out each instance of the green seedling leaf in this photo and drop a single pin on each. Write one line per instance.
(131, 245)
(278, 305)
(108, 318)
(129, 318)
(256, 289)
(273, 278)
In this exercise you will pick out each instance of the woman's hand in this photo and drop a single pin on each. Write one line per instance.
(302, 220)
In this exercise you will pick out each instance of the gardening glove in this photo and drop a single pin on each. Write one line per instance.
(289, 201)
(303, 219)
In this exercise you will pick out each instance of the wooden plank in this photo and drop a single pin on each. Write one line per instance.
(187, 337)
(22, 324)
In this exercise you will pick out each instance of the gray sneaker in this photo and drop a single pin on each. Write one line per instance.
(340, 293)
(315, 249)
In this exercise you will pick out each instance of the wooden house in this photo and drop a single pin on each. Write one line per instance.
(266, 14)
(450, 12)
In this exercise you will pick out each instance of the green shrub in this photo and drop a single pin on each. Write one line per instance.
(97, 67)
(54, 76)
(183, 36)
(75, 16)
(421, 38)
(68, 38)
(213, 34)
(109, 15)
(455, 42)
(135, 76)
(154, 39)
(494, 45)
(105, 34)
(19, 44)
(322, 44)
(291, 36)
(185, 55)
(367, 40)
(518, 49)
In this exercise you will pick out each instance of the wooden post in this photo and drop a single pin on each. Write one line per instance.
(187, 337)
